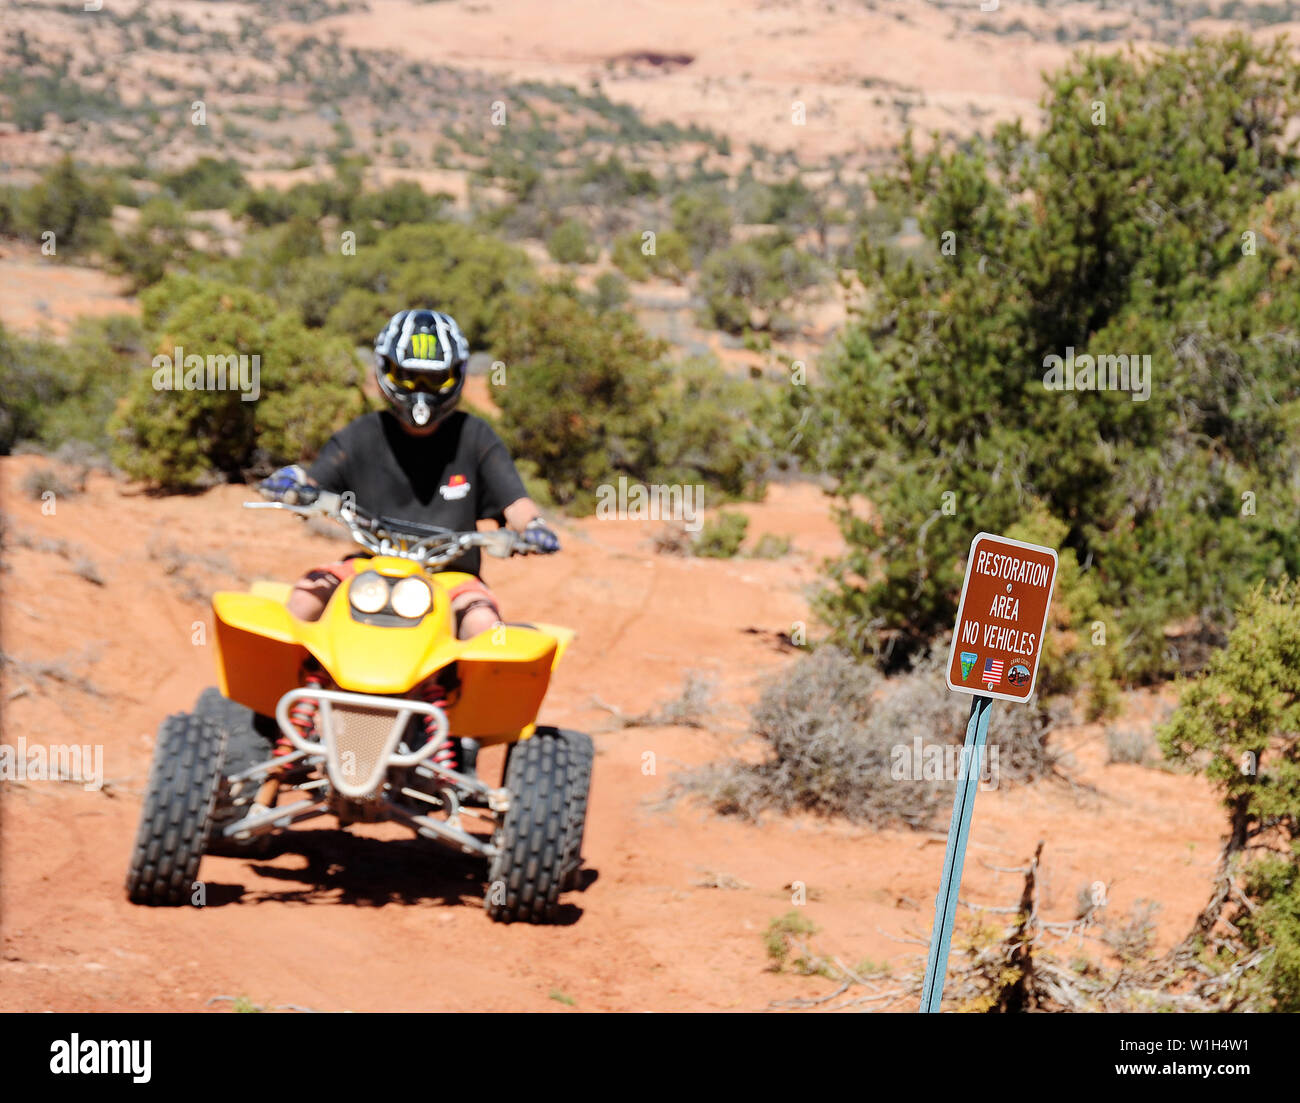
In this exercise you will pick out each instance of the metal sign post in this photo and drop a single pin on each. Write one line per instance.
(963, 808)
(999, 637)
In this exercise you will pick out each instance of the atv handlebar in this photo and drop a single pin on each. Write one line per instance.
(428, 545)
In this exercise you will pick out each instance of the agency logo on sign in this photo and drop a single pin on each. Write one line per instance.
(967, 661)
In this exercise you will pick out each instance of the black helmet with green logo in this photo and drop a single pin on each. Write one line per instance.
(420, 363)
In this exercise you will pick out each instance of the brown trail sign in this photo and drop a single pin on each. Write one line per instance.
(995, 648)
(1001, 619)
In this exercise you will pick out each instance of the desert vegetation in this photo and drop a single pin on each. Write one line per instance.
(1170, 243)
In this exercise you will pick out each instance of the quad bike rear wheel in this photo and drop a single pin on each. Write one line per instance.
(177, 815)
(250, 739)
(581, 753)
(524, 879)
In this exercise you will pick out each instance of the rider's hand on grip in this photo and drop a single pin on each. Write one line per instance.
(288, 485)
(537, 537)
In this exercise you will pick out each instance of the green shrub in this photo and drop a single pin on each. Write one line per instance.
(1080, 651)
(579, 397)
(8, 209)
(569, 243)
(669, 260)
(587, 399)
(69, 204)
(359, 315)
(704, 219)
(1273, 923)
(158, 240)
(177, 439)
(32, 381)
(614, 181)
(1243, 713)
(446, 266)
(628, 258)
(60, 393)
(207, 184)
(1237, 723)
(101, 358)
(402, 202)
(611, 292)
(753, 275)
(713, 430)
(269, 206)
(721, 537)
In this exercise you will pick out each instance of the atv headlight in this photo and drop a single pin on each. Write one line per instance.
(412, 597)
(369, 592)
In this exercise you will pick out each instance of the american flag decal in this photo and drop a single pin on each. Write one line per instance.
(992, 670)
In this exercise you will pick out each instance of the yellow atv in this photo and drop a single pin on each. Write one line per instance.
(374, 712)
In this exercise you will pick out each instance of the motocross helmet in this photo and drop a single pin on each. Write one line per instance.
(420, 364)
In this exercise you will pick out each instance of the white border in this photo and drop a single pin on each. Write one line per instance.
(952, 650)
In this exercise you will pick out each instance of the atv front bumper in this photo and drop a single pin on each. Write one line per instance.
(360, 758)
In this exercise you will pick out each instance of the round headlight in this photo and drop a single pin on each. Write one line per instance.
(369, 593)
(412, 597)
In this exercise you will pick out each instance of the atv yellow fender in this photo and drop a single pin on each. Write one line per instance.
(501, 675)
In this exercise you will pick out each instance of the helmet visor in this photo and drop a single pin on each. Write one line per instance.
(430, 381)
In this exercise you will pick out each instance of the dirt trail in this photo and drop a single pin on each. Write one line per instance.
(370, 920)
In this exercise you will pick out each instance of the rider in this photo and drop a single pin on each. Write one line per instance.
(420, 460)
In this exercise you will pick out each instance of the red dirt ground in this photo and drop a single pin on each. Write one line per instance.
(370, 920)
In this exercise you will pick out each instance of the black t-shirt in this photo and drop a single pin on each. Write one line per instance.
(457, 475)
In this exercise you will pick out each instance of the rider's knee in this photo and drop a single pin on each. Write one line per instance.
(311, 593)
(478, 616)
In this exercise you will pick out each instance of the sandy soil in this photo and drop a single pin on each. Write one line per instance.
(369, 919)
(38, 293)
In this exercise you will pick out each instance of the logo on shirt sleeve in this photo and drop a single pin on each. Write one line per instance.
(457, 487)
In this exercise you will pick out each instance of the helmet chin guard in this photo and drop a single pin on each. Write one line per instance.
(420, 412)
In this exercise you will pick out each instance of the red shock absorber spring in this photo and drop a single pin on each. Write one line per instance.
(302, 714)
(448, 752)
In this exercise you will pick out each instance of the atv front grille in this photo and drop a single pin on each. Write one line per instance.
(360, 737)
(359, 734)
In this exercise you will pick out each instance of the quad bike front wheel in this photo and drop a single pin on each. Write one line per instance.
(188, 764)
(525, 877)
(250, 739)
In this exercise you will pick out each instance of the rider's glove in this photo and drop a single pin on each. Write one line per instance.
(284, 485)
(539, 538)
